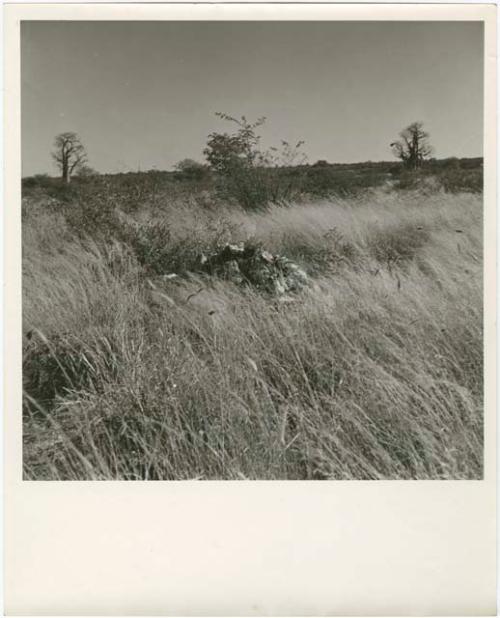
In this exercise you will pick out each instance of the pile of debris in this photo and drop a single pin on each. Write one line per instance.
(250, 264)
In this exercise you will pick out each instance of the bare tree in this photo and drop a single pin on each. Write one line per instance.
(69, 154)
(413, 147)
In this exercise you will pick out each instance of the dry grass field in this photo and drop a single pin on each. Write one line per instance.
(373, 371)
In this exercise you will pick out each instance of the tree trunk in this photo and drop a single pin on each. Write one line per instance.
(65, 172)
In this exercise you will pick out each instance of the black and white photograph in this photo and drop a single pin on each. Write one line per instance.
(252, 250)
(249, 247)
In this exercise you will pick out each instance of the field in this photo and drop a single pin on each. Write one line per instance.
(374, 370)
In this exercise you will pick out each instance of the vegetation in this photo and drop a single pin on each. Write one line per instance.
(413, 148)
(69, 155)
(188, 169)
(247, 174)
(144, 359)
(374, 371)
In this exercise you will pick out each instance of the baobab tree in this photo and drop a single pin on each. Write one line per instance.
(69, 154)
(413, 147)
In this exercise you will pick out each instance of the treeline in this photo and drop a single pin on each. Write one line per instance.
(385, 167)
(318, 179)
(238, 169)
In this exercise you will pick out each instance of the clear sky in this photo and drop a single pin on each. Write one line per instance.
(143, 94)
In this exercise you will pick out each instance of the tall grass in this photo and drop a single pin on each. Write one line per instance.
(374, 372)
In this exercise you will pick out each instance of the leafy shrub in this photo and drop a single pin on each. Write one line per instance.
(246, 187)
(247, 174)
(190, 170)
(161, 250)
(93, 213)
(158, 251)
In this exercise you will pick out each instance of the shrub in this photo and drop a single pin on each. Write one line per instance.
(458, 180)
(159, 251)
(247, 174)
(190, 170)
(162, 248)
(327, 181)
(409, 180)
(93, 212)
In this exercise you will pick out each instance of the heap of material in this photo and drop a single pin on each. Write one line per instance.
(250, 264)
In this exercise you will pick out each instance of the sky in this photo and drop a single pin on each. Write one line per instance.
(143, 95)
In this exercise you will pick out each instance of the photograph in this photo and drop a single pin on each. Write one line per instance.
(252, 250)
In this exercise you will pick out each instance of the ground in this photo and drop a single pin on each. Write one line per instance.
(374, 370)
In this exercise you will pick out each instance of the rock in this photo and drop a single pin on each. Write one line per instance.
(232, 271)
(268, 257)
(250, 264)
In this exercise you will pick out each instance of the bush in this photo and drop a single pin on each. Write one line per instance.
(409, 181)
(327, 181)
(161, 248)
(93, 212)
(247, 174)
(159, 252)
(462, 181)
(191, 171)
